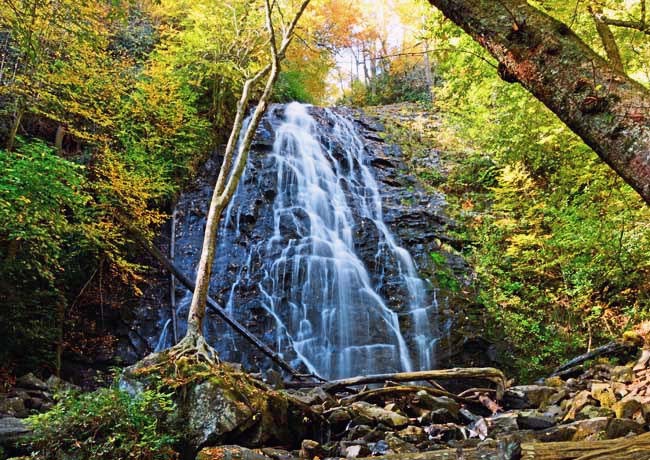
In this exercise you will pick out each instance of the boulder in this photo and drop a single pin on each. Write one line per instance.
(11, 429)
(503, 423)
(413, 434)
(218, 404)
(31, 382)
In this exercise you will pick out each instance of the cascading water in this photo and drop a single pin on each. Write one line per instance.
(306, 274)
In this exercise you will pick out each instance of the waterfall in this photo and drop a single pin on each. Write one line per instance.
(301, 264)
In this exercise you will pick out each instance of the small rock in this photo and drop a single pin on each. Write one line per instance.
(30, 381)
(398, 445)
(380, 448)
(55, 384)
(412, 434)
(627, 408)
(14, 407)
(232, 452)
(338, 419)
(537, 396)
(310, 449)
(603, 393)
(390, 418)
(555, 382)
(503, 423)
(577, 403)
(426, 401)
(353, 451)
(357, 432)
(590, 411)
(622, 374)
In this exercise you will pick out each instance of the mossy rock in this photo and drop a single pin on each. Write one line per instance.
(220, 404)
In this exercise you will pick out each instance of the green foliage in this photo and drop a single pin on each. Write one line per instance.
(291, 86)
(561, 244)
(106, 424)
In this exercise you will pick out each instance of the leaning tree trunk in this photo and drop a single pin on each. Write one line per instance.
(606, 108)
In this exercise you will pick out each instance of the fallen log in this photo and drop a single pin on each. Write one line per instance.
(216, 308)
(400, 390)
(632, 448)
(612, 348)
(486, 373)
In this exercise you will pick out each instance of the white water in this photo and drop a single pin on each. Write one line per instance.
(323, 299)
(317, 288)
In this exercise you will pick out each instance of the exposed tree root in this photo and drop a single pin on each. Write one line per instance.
(195, 347)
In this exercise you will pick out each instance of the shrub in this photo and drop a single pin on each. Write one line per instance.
(106, 424)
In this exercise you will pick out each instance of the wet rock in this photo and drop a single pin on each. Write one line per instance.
(379, 415)
(31, 382)
(534, 420)
(230, 453)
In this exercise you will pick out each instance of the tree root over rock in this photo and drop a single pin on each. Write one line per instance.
(195, 347)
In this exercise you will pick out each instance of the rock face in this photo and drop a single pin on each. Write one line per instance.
(256, 256)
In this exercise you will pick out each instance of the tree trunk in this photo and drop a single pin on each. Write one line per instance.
(606, 108)
(608, 39)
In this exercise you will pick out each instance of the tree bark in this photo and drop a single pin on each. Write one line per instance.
(606, 108)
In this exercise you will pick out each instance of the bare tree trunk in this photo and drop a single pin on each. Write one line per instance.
(607, 37)
(18, 118)
(606, 108)
(233, 167)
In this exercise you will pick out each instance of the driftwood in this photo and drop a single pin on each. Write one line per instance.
(612, 348)
(399, 390)
(629, 448)
(218, 309)
(486, 373)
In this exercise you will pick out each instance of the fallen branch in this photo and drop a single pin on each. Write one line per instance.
(399, 390)
(486, 373)
(612, 348)
(215, 307)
